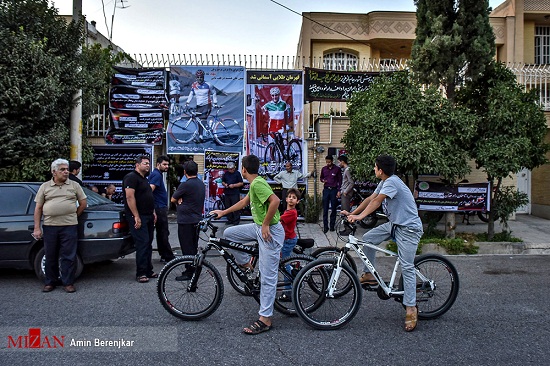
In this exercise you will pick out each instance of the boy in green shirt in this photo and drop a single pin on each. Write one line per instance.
(266, 230)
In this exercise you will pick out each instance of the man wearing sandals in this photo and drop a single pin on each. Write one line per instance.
(139, 205)
(266, 230)
(404, 226)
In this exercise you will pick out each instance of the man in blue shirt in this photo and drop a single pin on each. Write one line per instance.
(232, 180)
(160, 196)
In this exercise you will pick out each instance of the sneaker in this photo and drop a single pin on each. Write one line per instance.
(368, 279)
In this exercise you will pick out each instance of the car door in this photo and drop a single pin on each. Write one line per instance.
(16, 222)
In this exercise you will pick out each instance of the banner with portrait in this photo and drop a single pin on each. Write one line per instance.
(215, 165)
(206, 110)
(274, 115)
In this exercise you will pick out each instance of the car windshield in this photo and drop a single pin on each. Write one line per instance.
(94, 199)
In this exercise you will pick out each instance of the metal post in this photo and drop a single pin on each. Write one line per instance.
(76, 112)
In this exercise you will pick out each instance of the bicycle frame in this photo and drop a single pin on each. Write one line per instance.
(356, 244)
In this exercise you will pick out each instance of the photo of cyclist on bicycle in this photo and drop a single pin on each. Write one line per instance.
(404, 226)
(278, 111)
(205, 95)
(266, 230)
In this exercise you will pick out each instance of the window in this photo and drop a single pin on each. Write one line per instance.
(542, 45)
(14, 201)
(340, 61)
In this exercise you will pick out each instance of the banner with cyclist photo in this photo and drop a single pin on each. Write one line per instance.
(206, 109)
(274, 106)
(433, 196)
(215, 166)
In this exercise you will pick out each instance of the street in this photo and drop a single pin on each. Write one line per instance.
(499, 318)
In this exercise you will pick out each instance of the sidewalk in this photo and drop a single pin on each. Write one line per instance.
(534, 231)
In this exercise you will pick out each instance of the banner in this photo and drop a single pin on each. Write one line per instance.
(432, 196)
(110, 164)
(335, 86)
(274, 119)
(206, 109)
(137, 101)
(215, 164)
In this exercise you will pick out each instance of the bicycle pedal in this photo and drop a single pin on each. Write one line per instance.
(370, 287)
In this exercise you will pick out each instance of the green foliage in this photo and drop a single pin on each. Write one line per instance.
(313, 208)
(454, 42)
(422, 130)
(507, 200)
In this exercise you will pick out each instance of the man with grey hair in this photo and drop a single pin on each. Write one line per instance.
(232, 181)
(56, 201)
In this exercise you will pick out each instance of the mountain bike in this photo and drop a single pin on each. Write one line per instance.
(314, 288)
(186, 128)
(198, 295)
(277, 153)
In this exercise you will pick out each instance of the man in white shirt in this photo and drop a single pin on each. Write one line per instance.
(288, 178)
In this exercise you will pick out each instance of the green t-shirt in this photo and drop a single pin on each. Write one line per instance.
(259, 194)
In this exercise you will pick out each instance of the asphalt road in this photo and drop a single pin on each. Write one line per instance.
(501, 317)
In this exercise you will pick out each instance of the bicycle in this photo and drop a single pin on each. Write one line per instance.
(276, 153)
(313, 290)
(225, 131)
(200, 295)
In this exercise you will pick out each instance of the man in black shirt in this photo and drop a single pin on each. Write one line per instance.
(140, 212)
(189, 198)
(232, 180)
(74, 169)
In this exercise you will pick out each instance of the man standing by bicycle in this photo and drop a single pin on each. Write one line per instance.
(331, 177)
(266, 230)
(232, 182)
(205, 94)
(404, 226)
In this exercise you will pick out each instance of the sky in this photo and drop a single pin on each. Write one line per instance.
(230, 27)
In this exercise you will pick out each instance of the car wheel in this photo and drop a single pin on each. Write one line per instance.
(40, 262)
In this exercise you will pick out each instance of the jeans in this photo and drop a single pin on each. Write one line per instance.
(60, 244)
(143, 238)
(288, 245)
(270, 253)
(407, 239)
(329, 197)
(161, 227)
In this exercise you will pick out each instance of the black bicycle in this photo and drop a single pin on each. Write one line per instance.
(191, 288)
(277, 153)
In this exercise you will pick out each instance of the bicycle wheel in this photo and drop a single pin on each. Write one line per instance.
(434, 302)
(315, 307)
(235, 282)
(187, 304)
(183, 131)
(227, 132)
(288, 269)
(294, 154)
(333, 252)
(484, 216)
(273, 158)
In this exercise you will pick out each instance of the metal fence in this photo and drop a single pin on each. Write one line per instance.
(530, 76)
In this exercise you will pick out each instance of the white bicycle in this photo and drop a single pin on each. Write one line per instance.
(327, 293)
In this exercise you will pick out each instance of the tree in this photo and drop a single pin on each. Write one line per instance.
(510, 135)
(454, 42)
(422, 130)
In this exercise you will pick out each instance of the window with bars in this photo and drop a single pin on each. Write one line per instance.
(542, 45)
(340, 61)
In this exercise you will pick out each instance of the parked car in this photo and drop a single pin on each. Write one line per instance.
(103, 232)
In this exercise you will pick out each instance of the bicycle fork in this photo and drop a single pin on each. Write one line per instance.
(197, 262)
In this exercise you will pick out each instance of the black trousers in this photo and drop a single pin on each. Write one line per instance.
(60, 243)
(143, 238)
(161, 227)
(189, 238)
(230, 200)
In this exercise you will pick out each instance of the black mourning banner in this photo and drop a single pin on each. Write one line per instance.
(432, 196)
(142, 78)
(137, 119)
(133, 97)
(337, 86)
(220, 159)
(112, 163)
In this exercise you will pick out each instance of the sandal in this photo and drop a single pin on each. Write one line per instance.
(154, 275)
(142, 279)
(257, 327)
(411, 321)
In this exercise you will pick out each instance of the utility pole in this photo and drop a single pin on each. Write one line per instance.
(76, 112)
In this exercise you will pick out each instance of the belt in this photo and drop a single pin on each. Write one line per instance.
(330, 187)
